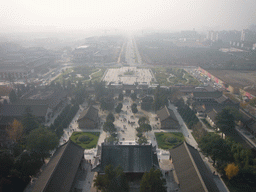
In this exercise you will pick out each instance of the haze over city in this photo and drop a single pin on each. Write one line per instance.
(86, 15)
(119, 96)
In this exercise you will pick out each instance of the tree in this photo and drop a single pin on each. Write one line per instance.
(142, 140)
(119, 107)
(120, 96)
(142, 120)
(146, 127)
(225, 121)
(134, 108)
(63, 83)
(28, 163)
(160, 98)
(216, 147)
(109, 127)
(133, 96)
(110, 117)
(231, 170)
(114, 180)
(153, 181)
(79, 84)
(100, 89)
(69, 85)
(42, 141)
(12, 96)
(7, 161)
(29, 121)
(15, 131)
(5, 102)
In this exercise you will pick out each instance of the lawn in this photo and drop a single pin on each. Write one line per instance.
(97, 76)
(87, 140)
(168, 140)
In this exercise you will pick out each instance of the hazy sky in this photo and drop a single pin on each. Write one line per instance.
(59, 15)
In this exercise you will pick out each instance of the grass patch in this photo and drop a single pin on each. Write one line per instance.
(90, 142)
(168, 140)
(97, 76)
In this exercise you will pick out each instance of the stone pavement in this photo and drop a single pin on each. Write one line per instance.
(190, 139)
(166, 168)
(186, 132)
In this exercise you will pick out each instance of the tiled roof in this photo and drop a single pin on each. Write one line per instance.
(19, 110)
(132, 158)
(147, 99)
(50, 98)
(90, 113)
(204, 95)
(191, 171)
(60, 172)
(221, 99)
(165, 113)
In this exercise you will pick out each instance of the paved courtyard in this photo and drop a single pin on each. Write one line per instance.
(128, 75)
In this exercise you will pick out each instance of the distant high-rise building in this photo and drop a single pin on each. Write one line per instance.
(212, 35)
(227, 36)
(248, 35)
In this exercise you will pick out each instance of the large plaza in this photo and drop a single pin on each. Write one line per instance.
(128, 75)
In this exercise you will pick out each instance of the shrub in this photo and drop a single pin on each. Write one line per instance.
(84, 138)
(172, 140)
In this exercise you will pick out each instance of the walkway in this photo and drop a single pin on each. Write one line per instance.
(190, 139)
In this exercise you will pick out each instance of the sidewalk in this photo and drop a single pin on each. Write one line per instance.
(190, 139)
(186, 132)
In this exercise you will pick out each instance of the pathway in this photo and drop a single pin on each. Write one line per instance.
(190, 139)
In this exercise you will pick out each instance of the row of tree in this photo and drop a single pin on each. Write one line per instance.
(64, 119)
(115, 180)
(187, 114)
(233, 161)
(144, 126)
(110, 128)
(31, 144)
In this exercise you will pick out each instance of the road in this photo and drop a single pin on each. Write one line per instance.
(132, 55)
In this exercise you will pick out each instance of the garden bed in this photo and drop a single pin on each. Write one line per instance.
(86, 140)
(168, 140)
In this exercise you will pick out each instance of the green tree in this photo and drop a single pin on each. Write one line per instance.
(110, 117)
(12, 96)
(225, 121)
(216, 147)
(119, 107)
(153, 181)
(100, 89)
(69, 85)
(134, 108)
(114, 180)
(28, 163)
(146, 127)
(133, 96)
(7, 161)
(29, 121)
(120, 96)
(63, 83)
(142, 120)
(79, 84)
(109, 127)
(42, 141)
(142, 140)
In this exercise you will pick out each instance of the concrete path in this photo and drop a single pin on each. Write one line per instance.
(186, 132)
(190, 139)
